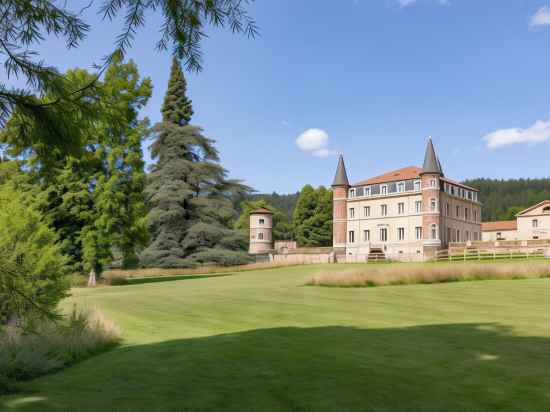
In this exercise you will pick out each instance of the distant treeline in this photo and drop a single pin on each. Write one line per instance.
(502, 199)
(284, 203)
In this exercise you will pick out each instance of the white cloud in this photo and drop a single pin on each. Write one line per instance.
(315, 141)
(407, 3)
(541, 17)
(539, 132)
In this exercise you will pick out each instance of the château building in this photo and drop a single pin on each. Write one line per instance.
(404, 214)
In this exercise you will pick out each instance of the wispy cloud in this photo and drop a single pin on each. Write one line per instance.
(315, 141)
(541, 17)
(408, 3)
(539, 132)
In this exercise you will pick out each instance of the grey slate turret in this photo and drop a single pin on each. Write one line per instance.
(431, 162)
(341, 177)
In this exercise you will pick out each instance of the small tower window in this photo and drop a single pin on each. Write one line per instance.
(434, 231)
(262, 221)
(260, 236)
(433, 205)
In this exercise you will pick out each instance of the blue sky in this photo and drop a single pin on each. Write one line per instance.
(372, 78)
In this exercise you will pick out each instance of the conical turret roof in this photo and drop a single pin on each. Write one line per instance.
(431, 162)
(341, 177)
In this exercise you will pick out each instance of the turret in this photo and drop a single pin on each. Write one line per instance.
(261, 231)
(431, 211)
(340, 187)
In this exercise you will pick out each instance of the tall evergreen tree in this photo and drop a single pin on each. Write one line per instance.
(191, 209)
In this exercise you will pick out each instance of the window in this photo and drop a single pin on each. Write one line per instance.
(351, 236)
(366, 211)
(401, 208)
(417, 185)
(453, 190)
(383, 235)
(434, 231)
(366, 235)
(418, 232)
(351, 213)
(448, 234)
(384, 190)
(458, 235)
(260, 236)
(432, 183)
(418, 206)
(467, 235)
(466, 214)
(433, 205)
(447, 209)
(401, 233)
(352, 193)
(262, 221)
(475, 215)
(458, 211)
(535, 223)
(384, 210)
(401, 187)
(546, 209)
(367, 191)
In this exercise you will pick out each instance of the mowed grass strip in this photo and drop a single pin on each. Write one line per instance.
(262, 341)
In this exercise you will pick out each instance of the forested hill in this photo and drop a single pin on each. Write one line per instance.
(502, 199)
(285, 203)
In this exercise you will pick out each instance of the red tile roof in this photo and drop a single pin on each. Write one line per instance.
(406, 173)
(500, 225)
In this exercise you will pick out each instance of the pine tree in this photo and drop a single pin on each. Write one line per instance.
(191, 209)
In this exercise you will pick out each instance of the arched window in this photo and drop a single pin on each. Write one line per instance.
(434, 231)
(546, 209)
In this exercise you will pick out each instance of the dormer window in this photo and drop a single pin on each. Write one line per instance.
(384, 190)
(401, 187)
(367, 191)
(417, 185)
(352, 193)
(546, 209)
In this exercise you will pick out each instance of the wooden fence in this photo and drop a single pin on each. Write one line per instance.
(471, 254)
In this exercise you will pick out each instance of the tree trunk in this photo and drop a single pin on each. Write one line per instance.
(92, 279)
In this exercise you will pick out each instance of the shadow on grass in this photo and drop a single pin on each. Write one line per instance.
(157, 279)
(460, 367)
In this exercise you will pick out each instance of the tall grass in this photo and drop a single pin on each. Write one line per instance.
(431, 273)
(110, 275)
(51, 346)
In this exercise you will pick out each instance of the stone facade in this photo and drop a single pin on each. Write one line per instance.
(406, 214)
(532, 223)
(261, 231)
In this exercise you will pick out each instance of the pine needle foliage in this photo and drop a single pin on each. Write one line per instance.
(191, 199)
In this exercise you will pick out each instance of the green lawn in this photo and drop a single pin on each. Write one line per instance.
(261, 341)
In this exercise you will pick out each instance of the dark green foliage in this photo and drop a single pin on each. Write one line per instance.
(191, 200)
(502, 199)
(24, 24)
(94, 200)
(313, 217)
(282, 227)
(284, 203)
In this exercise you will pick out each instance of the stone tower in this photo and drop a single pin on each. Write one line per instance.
(261, 231)
(340, 187)
(431, 199)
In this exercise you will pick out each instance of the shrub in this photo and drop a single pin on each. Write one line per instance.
(50, 346)
(400, 274)
(32, 268)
